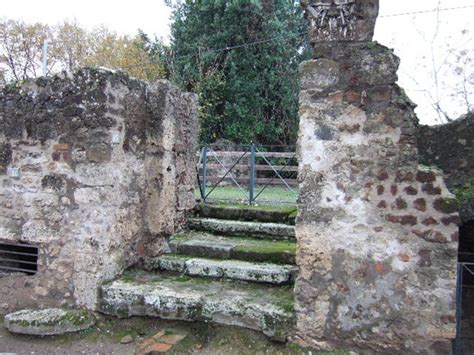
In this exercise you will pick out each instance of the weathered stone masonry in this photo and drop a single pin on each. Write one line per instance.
(377, 233)
(106, 167)
(451, 148)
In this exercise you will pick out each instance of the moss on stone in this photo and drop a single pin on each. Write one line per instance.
(266, 208)
(465, 192)
(260, 213)
(281, 252)
(268, 248)
(48, 321)
(446, 205)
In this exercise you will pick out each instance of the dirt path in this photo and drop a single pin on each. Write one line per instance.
(104, 338)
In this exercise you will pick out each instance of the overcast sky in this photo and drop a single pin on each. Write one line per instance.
(410, 35)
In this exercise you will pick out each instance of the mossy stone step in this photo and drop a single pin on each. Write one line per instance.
(276, 214)
(244, 229)
(254, 306)
(206, 245)
(231, 269)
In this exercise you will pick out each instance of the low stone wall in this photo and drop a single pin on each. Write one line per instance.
(377, 233)
(106, 168)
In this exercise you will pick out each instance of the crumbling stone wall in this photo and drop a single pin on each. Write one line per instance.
(106, 164)
(377, 233)
(451, 148)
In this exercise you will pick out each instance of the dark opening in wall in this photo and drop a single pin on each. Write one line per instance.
(18, 258)
(466, 242)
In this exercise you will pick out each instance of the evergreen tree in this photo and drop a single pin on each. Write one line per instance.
(249, 93)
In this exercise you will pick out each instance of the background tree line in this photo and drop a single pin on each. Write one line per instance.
(70, 47)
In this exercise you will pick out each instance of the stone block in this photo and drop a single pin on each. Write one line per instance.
(53, 321)
(99, 152)
(5, 157)
(348, 20)
(319, 74)
(169, 297)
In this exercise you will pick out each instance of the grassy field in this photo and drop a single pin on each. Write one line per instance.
(232, 194)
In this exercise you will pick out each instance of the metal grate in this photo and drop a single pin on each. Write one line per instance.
(18, 258)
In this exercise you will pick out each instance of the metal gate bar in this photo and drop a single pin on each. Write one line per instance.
(462, 268)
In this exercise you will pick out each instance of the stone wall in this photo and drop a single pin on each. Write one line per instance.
(451, 148)
(106, 166)
(377, 233)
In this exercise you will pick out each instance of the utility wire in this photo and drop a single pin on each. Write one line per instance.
(244, 45)
(427, 11)
(224, 49)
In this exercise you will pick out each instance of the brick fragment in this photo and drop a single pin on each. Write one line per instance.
(335, 97)
(382, 204)
(430, 221)
(353, 97)
(446, 205)
(403, 220)
(420, 204)
(156, 348)
(379, 267)
(425, 176)
(430, 189)
(451, 220)
(410, 190)
(380, 190)
(61, 146)
(404, 257)
(431, 236)
(394, 189)
(404, 176)
(141, 249)
(382, 176)
(401, 204)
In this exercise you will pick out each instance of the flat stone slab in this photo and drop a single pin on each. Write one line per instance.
(51, 321)
(231, 269)
(255, 306)
(244, 229)
(206, 245)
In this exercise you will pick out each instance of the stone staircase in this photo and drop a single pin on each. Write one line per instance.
(236, 266)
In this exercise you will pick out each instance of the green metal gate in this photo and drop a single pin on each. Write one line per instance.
(251, 170)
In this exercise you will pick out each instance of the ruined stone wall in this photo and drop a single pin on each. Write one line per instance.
(451, 148)
(106, 169)
(377, 233)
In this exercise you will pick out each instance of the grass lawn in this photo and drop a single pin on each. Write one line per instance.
(270, 195)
